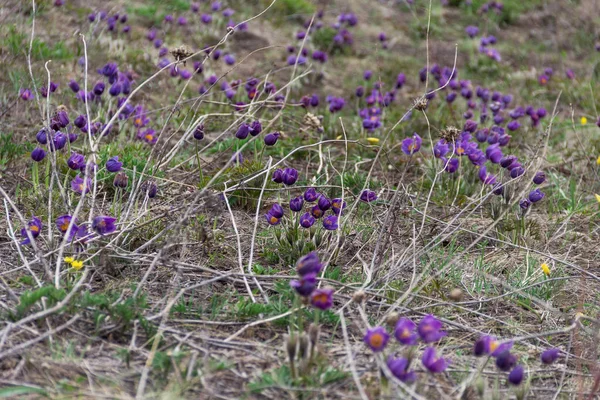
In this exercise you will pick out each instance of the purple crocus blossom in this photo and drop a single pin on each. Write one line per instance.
(63, 222)
(505, 361)
(430, 329)
(311, 195)
(405, 332)
(432, 363)
(271, 138)
(322, 298)
(536, 195)
(103, 225)
(550, 356)
(34, 227)
(305, 285)
(308, 264)
(376, 338)
(412, 144)
(76, 161)
(78, 185)
(368, 196)
(289, 176)
(113, 164)
(516, 375)
(296, 204)
(307, 220)
(38, 154)
(330, 222)
(399, 368)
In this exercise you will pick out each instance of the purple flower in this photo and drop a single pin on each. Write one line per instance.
(330, 222)
(316, 212)
(505, 361)
(311, 195)
(182, 21)
(367, 75)
(539, 178)
(113, 164)
(289, 176)
(307, 220)
(570, 74)
(206, 18)
(399, 368)
(104, 225)
(255, 128)
(38, 154)
(536, 195)
(296, 204)
(243, 131)
(549, 356)
(271, 138)
(486, 178)
(150, 189)
(337, 205)
(34, 227)
(322, 298)
(185, 74)
(543, 79)
(368, 196)
(400, 80)
(376, 338)
(278, 176)
(229, 59)
(199, 132)
(472, 31)
(74, 86)
(430, 329)
(271, 219)
(63, 222)
(26, 94)
(516, 375)
(324, 203)
(524, 204)
(99, 88)
(516, 171)
(411, 145)
(276, 210)
(433, 364)
(308, 264)
(405, 332)
(80, 186)
(305, 285)
(169, 18)
(76, 161)
(482, 346)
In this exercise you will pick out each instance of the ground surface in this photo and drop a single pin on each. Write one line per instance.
(189, 296)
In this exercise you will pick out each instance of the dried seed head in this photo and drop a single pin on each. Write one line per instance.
(290, 343)
(359, 296)
(313, 332)
(456, 294)
(420, 103)
(62, 107)
(392, 319)
(312, 121)
(304, 344)
(450, 134)
(181, 53)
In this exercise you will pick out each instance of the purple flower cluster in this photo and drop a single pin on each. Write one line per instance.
(407, 333)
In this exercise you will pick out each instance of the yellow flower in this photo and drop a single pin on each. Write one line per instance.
(373, 140)
(583, 120)
(77, 265)
(69, 260)
(339, 137)
(546, 269)
(598, 160)
(597, 197)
